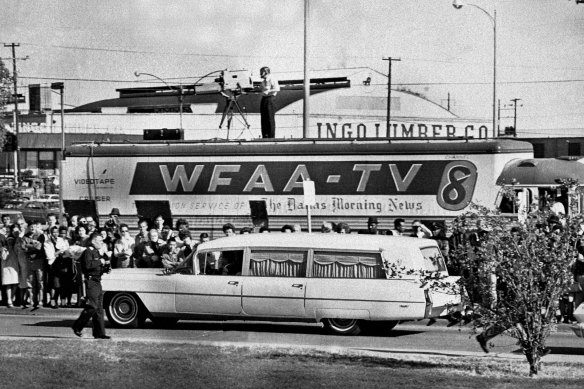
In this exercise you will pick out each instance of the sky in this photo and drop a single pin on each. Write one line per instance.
(96, 47)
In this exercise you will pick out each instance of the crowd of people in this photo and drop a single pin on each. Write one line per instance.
(41, 260)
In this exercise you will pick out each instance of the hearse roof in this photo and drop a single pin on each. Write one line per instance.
(317, 241)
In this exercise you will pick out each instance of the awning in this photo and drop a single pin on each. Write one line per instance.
(53, 141)
(541, 172)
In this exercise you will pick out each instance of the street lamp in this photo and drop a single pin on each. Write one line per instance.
(61, 87)
(179, 89)
(458, 5)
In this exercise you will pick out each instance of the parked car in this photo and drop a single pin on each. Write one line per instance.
(14, 214)
(12, 204)
(50, 197)
(38, 210)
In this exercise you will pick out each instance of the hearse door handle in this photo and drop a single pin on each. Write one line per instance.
(297, 286)
(233, 283)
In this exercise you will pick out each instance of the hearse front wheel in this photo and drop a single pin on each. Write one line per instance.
(343, 326)
(125, 311)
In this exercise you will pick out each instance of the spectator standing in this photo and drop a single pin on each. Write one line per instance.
(113, 222)
(82, 235)
(167, 233)
(204, 237)
(170, 255)
(182, 228)
(55, 247)
(123, 249)
(3, 254)
(36, 259)
(372, 227)
(91, 225)
(287, 228)
(67, 270)
(51, 221)
(419, 230)
(228, 229)
(326, 227)
(399, 229)
(142, 235)
(6, 222)
(189, 246)
(10, 265)
(159, 223)
(152, 250)
(73, 223)
(343, 228)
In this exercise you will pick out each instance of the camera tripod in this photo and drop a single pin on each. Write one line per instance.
(228, 111)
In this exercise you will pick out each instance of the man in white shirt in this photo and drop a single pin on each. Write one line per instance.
(270, 88)
(123, 248)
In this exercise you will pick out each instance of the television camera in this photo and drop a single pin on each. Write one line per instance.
(233, 84)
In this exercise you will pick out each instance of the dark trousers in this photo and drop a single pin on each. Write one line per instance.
(267, 112)
(93, 310)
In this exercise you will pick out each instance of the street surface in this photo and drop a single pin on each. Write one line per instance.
(407, 338)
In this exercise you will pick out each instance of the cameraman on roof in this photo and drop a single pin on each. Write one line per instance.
(269, 88)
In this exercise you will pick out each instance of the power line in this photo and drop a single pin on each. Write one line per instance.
(397, 83)
(186, 54)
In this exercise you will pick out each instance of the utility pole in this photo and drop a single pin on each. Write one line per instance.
(16, 125)
(389, 60)
(515, 114)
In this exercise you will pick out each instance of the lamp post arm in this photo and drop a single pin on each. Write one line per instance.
(138, 74)
(493, 20)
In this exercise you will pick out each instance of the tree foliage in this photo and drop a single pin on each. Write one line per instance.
(5, 92)
(516, 272)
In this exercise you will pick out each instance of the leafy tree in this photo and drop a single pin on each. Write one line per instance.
(515, 274)
(5, 80)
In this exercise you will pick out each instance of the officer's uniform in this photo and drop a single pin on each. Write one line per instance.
(91, 265)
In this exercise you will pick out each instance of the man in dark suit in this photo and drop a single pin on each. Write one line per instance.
(92, 265)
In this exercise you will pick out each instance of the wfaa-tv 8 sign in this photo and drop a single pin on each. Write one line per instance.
(427, 187)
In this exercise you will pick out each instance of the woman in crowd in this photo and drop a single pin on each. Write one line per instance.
(10, 265)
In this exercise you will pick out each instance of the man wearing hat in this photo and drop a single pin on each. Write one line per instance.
(372, 223)
(113, 223)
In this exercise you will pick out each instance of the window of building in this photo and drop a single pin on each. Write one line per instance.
(573, 148)
(47, 160)
(30, 160)
(330, 264)
(273, 263)
(539, 150)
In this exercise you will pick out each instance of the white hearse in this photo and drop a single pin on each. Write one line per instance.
(347, 281)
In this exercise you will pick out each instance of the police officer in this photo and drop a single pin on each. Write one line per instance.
(93, 266)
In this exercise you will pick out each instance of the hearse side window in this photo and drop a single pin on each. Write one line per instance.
(228, 262)
(331, 264)
(273, 263)
(433, 259)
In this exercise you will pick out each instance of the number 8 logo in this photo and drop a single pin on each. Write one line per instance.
(457, 185)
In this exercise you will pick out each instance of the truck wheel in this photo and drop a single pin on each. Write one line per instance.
(343, 326)
(125, 311)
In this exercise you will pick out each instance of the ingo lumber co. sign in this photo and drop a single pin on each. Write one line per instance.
(452, 182)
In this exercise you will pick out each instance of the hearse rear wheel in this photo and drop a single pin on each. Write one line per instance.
(125, 311)
(343, 326)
